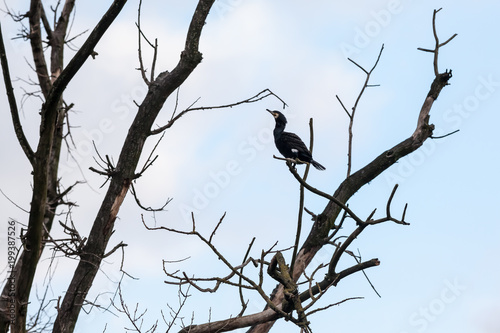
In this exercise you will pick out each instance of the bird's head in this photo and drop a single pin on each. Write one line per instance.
(280, 117)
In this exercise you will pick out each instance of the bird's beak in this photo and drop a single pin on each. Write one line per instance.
(271, 112)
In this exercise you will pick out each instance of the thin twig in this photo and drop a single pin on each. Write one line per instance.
(240, 289)
(257, 97)
(358, 260)
(333, 304)
(437, 45)
(354, 108)
(182, 302)
(234, 271)
(216, 227)
(324, 195)
(153, 62)
(12, 202)
(301, 199)
(150, 161)
(444, 136)
(139, 50)
(148, 209)
(343, 106)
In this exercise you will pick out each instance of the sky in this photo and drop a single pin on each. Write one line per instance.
(436, 275)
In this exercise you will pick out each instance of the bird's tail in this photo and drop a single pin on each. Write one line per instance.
(317, 165)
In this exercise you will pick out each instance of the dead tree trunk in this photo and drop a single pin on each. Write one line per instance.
(45, 160)
(125, 171)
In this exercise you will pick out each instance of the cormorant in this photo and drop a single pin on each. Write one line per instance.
(289, 144)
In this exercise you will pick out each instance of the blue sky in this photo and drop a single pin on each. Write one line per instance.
(438, 274)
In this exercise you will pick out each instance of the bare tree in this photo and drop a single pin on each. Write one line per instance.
(294, 298)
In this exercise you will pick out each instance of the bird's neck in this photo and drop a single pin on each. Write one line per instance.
(278, 129)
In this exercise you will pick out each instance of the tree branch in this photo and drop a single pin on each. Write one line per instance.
(35, 37)
(159, 90)
(326, 220)
(437, 45)
(301, 197)
(139, 50)
(260, 96)
(83, 53)
(354, 108)
(18, 129)
(57, 40)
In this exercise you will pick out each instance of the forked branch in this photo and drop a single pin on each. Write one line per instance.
(154, 46)
(437, 45)
(235, 271)
(354, 108)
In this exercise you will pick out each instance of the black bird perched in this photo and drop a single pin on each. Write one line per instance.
(289, 144)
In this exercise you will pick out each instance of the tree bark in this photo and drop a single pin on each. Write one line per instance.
(45, 160)
(159, 90)
(45, 163)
